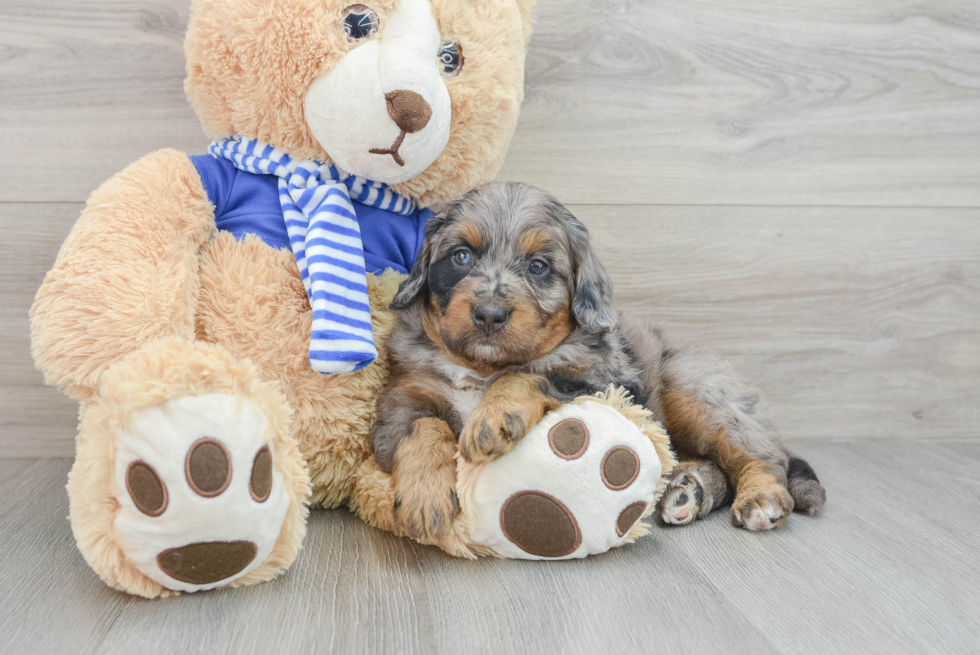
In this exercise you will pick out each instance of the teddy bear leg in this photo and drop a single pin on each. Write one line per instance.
(187, 476)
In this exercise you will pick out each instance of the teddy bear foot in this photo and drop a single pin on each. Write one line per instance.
(187, 477)
(201, 502)
(578, 484)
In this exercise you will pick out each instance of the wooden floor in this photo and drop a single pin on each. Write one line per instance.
(891, 567)
(794, 184)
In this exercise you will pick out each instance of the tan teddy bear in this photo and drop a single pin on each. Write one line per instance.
(219, 316)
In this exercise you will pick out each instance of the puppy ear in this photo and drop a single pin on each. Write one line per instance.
(414, 287)
(592, 298)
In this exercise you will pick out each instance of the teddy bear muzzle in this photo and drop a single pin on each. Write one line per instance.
(384, 111)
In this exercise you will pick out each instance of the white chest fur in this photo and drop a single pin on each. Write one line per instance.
(465, 401)
(467, 389)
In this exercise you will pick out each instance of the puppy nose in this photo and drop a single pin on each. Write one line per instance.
(490, 318)
(408, 109)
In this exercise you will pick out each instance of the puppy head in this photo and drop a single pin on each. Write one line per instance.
(505, 274)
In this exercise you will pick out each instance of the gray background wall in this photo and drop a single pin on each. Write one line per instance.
(796, 185)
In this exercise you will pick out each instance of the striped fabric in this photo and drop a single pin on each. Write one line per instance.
(326, 241)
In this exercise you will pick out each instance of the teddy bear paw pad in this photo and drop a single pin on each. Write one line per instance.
(574, 486)
(201, 502)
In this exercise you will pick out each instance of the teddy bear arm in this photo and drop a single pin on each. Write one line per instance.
(127, 273)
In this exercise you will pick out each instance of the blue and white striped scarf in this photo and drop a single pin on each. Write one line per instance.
(326, 241)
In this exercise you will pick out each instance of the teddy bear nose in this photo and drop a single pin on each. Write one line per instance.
(408, 109)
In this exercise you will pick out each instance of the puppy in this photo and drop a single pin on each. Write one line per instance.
(508, 313)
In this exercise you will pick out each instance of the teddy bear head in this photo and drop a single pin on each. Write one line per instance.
(419, 94)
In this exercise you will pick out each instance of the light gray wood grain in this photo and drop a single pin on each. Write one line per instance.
(851, 102)
(856, 322)
(869, 102)
(86, 88)
(886, 568)
(35, 420)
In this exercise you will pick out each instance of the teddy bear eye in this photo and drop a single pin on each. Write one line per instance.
(451, 59)
(359, 22)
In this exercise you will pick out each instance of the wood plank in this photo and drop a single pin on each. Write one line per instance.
(888, 567)
(35, 420)
(52, 602)
(86, 88)
(703, 102)
(832, 102)
(857, 323)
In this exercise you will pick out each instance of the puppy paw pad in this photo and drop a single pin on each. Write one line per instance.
(569, 439)
(540, 524)
(620, 467)
(681, 502)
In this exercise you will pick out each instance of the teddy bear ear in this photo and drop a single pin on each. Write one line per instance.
(525, 7)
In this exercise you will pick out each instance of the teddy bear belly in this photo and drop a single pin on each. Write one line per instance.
(252, 301)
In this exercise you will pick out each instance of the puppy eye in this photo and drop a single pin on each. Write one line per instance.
(462, 257)
(451, 59)
(359, 22)
(538, 267)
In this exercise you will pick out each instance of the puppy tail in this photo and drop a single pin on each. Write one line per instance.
(808, 494)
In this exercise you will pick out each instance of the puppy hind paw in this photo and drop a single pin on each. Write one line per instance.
(762, 509)
(682, 501)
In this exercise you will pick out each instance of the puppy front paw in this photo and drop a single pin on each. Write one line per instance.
(424, 481)
(492, 433)
(425, 509)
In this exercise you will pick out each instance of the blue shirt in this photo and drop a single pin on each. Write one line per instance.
(245, 203)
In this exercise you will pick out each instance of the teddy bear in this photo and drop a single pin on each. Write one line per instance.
(221, 317)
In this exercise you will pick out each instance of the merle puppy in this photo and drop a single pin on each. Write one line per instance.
(506, 314)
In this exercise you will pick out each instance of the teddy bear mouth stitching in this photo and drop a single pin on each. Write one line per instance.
(410, 112)
(393, 150)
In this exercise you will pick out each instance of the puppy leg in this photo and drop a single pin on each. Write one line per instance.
(414, 440)
(424, 479)
(695, 488)
(512, 405)
(711, 411)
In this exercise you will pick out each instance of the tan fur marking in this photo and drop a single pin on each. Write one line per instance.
(691, 429)
(471, 232)
(534, 240)
(512, 405)
(555, 330)
(424, 479)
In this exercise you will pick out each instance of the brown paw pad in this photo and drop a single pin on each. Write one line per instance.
(629, 516)
(208, 467)
(540, 524)
(260, 482)
(569, 439)
(620, 467)
(207, 561)
(145, 487)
